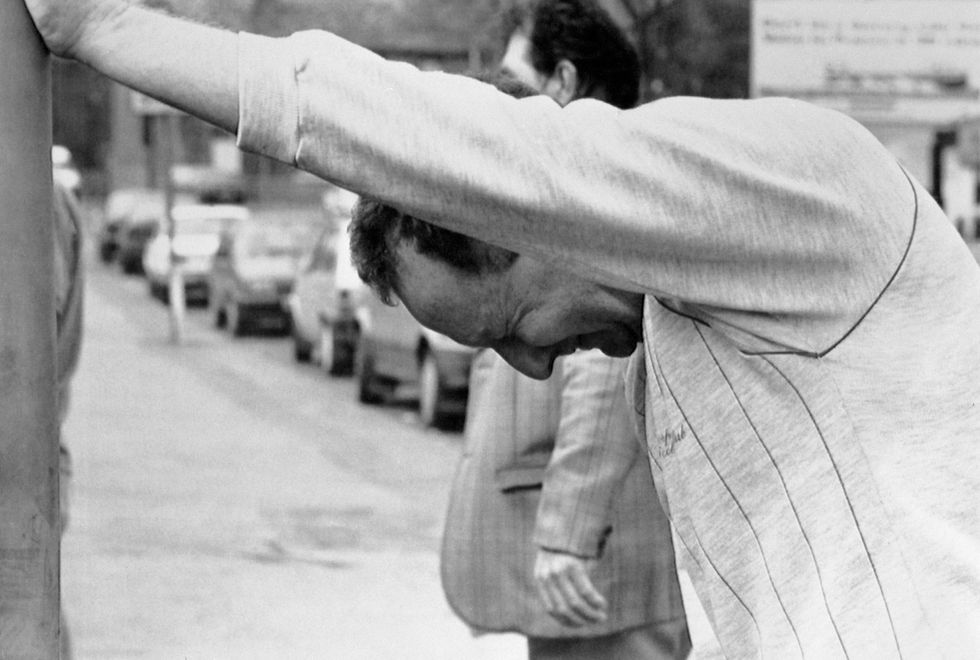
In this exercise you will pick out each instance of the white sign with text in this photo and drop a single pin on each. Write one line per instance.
(900, 60)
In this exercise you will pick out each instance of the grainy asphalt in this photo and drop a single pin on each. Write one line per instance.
(227, 503)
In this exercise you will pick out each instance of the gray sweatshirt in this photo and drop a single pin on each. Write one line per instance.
(808, 380)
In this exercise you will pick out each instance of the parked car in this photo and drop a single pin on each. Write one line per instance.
(119, 206)
(143, 223)
(197, 232)
(394, 349)
(118, 211)
(210, 184)
(323, 305)
(252, 274)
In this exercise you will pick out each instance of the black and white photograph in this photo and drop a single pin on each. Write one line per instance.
(489, 329)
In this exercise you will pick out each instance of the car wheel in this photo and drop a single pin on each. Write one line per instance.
(367, 380)
(336, 350)
(155, 290)
(432, 393)
(217, 312)
(326, 347)
(302, 349)
(236, 319)
(344, 349)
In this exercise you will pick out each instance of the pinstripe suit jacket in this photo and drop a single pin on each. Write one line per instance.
(554, 464)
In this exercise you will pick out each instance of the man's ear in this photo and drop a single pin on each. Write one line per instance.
(563, 83)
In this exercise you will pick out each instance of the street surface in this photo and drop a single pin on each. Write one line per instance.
(229, 503)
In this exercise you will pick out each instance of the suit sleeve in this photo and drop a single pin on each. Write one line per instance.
(595, 449)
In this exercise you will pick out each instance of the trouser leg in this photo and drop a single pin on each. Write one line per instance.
(653, 642)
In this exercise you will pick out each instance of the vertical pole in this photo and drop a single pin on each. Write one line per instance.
(29, 541)
(175, 282)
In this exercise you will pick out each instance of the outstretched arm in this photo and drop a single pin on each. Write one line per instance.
(187, 65)
(734, 208)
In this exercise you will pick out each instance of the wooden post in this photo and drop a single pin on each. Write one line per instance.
(29, 538)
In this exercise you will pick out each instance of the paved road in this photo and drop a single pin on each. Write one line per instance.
(228, 503)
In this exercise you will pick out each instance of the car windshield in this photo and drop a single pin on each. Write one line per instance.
(273, 244)
(213, 225)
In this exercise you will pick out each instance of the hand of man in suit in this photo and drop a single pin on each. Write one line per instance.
(565, 587)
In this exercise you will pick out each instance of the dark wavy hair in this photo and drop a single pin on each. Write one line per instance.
(581, 32)
(377, 229)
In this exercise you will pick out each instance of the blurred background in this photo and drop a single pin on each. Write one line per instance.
(270, 481)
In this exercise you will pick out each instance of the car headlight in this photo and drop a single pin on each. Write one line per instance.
(260, 285)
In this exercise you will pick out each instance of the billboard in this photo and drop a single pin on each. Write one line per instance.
(880, 61)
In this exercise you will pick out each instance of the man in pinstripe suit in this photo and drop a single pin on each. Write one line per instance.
(553, 498)
(553, 495)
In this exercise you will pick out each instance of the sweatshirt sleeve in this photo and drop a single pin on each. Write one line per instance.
(268, 113)
(750, 212)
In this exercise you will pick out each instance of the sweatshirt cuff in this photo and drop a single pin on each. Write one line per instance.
(268, 107)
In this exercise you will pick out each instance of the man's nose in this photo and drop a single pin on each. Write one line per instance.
(529, 360)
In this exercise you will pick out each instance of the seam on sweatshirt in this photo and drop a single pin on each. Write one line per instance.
(881, 294)
(300, 131)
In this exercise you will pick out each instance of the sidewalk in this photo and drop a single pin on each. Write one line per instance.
(199, 528)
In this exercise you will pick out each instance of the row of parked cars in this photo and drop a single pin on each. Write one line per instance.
(288, 271)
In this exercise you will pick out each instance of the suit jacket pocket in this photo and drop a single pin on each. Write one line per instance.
(520, 477)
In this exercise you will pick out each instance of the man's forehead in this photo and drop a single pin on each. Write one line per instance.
(444, 299)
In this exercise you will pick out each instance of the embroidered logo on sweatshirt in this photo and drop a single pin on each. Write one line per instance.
(670, 438)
